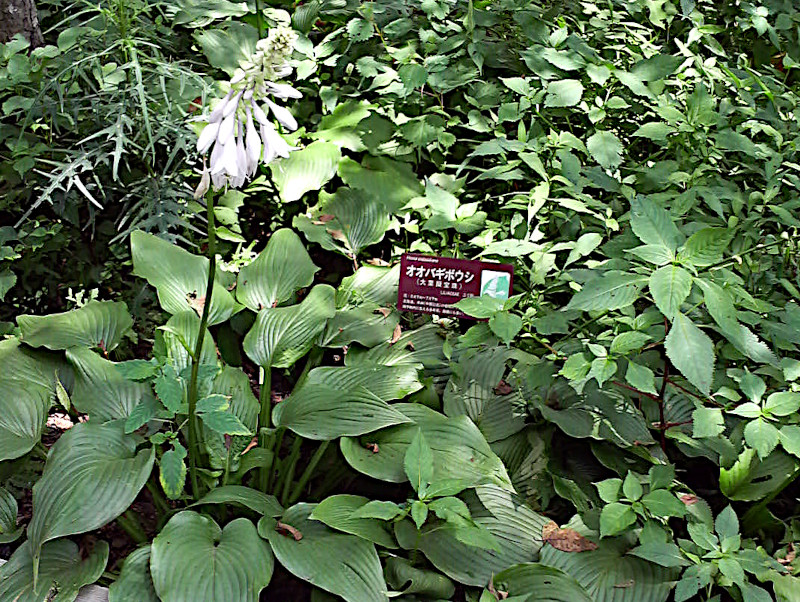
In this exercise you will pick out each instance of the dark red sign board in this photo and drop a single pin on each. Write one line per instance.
(431, 285)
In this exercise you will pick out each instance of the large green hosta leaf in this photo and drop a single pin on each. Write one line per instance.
(420, 347)
(306, 169)
(193, 560)
(96, 324)
(100, 389)
(349, 222)
(62, 572)
(459, 449)
(609, 574)
(8, 518)
(473, 391)
(93, 474)
(337, 512)
(369, 284)
(27, 385)
(343, 564)
(134, 583)
(277, 273)
(180, 277)
(534, 582)
(180, 336)
(367, 325)
(514, 525)
(282, 335)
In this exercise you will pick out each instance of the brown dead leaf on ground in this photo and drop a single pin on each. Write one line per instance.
(373, 447)
(378, 262)
(384, 311)
(502, 388)
(196, 302)
(251, 445)
(689, 499)
(398, 332)
(566, 540)
(287, 530)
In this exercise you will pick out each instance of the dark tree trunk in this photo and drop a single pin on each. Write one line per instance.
(20, 16)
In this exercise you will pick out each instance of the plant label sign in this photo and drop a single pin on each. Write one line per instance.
(431, 285)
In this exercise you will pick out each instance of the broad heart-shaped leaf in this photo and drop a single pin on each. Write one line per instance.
(751, 479)
(402, 575)
(306, 169)
(534, 582)
(609, 574)
(100, 389)
(180, 336)
(370, 284)
(472, 390)
(62, 572)
(277, 273)
(8, 518)
(653, 224)
(336, 512)
(27, 384)
(96, 324)
(393, 182)
(134, 583)
(282, 335)
(349, 222)
(516, 528)
(347, 401)
(180, 278)
(93, 474)
(691, 351)
(257, 501)
(610, 291)
(342, 564)
(322, 412)
(605, 148)
(459, 449)
(670, 285)
(193, 560)
(420, 347)
(365, 324)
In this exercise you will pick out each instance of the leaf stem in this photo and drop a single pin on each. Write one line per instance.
(264, 422)
(288, 476)
(308, 472)
(131, 525)
(198, 349)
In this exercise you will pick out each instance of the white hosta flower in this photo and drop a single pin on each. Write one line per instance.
(238, 132)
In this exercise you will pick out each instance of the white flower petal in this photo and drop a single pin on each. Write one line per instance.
(283, 91)
(216, 114)
(207, 137)
(241, 154)
(226, 130)
(237, 77)
(259, 114)
(253, 145)
(232, 105)
(283, 115)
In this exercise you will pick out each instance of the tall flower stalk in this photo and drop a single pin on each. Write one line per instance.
(239, 136)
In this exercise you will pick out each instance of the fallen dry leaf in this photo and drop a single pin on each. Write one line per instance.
(624, 584)
(196, 302)
(566, 540)
(59, 421)
(502, 388)
(373, 447)
(689, 499)
(286, 530)
(378, 262)
(398, 332)
(384, 311)
(250, 445)
(338, 235)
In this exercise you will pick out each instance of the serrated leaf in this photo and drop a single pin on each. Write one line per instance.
(707, 422)
(761, 436)
(418, 464)
(705, 247)
(670, 286)
(605, 148)
(615, 518)
(662, 554)
(563, 93)
(137, 369)
(641, 378)
(663, 503)
(653, 224)
(224, 423)
(691, 351)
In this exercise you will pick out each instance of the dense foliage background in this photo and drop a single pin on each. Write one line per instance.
(637, 161)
